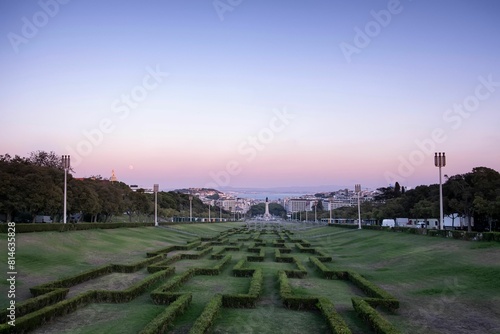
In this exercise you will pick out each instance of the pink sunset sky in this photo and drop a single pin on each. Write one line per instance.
(263, 95)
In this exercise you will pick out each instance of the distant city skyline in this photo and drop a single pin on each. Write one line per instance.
(253, 94)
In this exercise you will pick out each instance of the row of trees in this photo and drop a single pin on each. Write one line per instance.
(473, 194)
(34, 186)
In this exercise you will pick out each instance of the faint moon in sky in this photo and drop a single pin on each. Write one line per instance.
(130, 167)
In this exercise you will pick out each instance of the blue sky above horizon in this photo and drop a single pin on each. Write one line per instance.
(258, 93)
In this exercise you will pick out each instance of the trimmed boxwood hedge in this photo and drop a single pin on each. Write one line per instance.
(165, 319)
(36, 303)
(327, 273)
(372, 317)
(335, 322)
(248, 300)
(207, 317)
(373, 290)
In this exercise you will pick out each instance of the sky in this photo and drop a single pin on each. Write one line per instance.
(240, 93)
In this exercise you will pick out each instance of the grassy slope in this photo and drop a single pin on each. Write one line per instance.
(445, 286)
(45, 256)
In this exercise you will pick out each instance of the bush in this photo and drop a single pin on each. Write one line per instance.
(36, 303)
(207, 317)
(372, 290)
(327, 273)
(491, 236)
(372, 317)
(335, 321)
(161, 323)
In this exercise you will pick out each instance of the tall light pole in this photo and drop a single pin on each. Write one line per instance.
(190, 208)
(155, 189)
(330, 206)
(209, 204)
(316, 212)
(66, 164)
(357, 188)
(440, 161)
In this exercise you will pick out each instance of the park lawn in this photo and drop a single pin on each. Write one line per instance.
(42, 257)
(444, 285)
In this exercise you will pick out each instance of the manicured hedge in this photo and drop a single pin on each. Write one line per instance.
(294, 302)
(372, 317)
(327, 273)
(124, 296)
(131, 268)
(259, 258)
(36, 303)
(322, 256)
(204, 246)
(216, 269)
(373, 290)
(74, 280)
(491, 236)
(335, 322)
(240, 271)
(165, 319)
(305, 249)
(207, 317)
(248, 300)
(174, 283)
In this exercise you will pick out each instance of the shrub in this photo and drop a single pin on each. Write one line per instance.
(372, 317)
(491, 236)
(335, 321)
(36, 303)
(207, 317)
(371, 289)
(161, 323)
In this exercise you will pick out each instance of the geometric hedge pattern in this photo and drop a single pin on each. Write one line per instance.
(269, 243)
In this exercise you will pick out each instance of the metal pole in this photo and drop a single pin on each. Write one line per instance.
(357, 188)
(440, 161)
(66, 164)
(209, 212)
(330, 205)
(316, 212)
(155, 189)
(441, 214)
(190, 208)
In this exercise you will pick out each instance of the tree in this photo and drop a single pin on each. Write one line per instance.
(46, 159)
(425, 209)
(319, 205)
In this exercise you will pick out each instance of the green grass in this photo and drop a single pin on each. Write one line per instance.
(106, 318)
(444, 285)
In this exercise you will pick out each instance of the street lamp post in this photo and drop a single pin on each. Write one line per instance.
(209, 204)
(357, 188)
(440, 161)
(190, 208)
(316, 212)
(155, 189)
(330, 206)
(66, 164)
